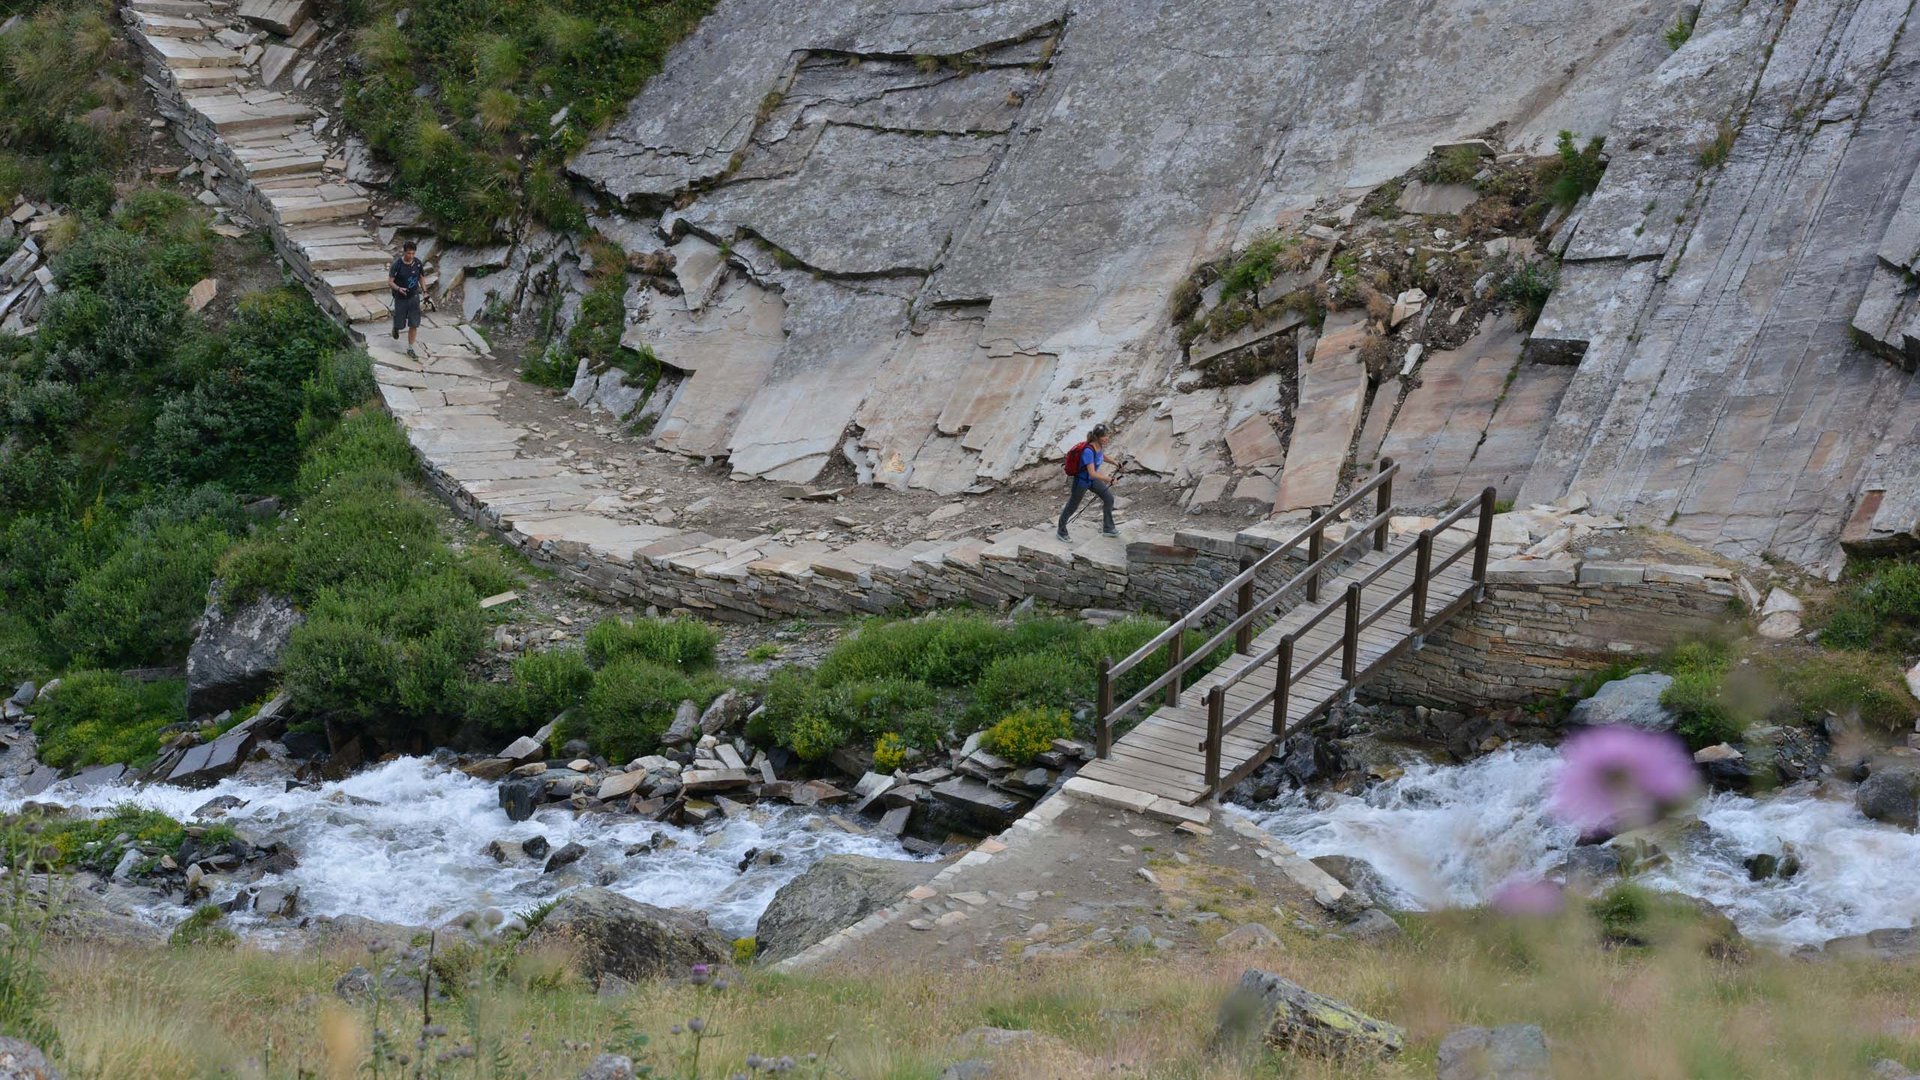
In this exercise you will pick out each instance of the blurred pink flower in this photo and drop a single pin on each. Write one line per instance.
(1520, 896)
(1617, 778)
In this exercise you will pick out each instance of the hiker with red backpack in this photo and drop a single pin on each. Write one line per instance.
(1085, 463)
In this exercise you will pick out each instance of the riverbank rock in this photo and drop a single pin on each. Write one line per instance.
(609, 1067)
(1634, 700)
(1514, 1052)
(1286, 1016)
(834, 893)
(1891, 793)
(235, 657)
(24, 1061)
(1357, 875)
(610, 935)
(1892, 943)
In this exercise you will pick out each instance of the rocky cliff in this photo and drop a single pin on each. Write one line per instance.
(940, 238)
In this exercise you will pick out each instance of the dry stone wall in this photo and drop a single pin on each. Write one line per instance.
(1542, 628)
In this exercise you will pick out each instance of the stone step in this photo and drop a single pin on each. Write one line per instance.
(179, 53)
(355, 281)
(282, 17)
(365, 307)
(276, 168)
(346, 258)
(245, 116)
(173, 26)
(300, 211)
(203, 77)
(171, 7)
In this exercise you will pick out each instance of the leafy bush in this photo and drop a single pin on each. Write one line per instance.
(869, 707)
(534, 80)
(136, 607)
(1031, 680)
(683, 643)
(889, 752)
(1025, 734)
(939, 650)
(632, 704)
(95, 717)
(204, 928)
(1573, 172)
(544, 684)
(1705, 715)
(1878, 609)
(1527, 287)
(1841, 683)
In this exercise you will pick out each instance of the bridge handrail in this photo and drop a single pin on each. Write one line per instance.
(1380, 485)
(1286, 674)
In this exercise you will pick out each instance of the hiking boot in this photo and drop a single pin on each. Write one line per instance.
(410, 352)
(1061, 535)
(1109, 532)
(396, 333)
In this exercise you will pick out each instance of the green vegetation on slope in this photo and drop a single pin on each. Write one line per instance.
(63, 100)
(479, 103)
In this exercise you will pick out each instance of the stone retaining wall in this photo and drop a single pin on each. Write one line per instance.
(1541, 630)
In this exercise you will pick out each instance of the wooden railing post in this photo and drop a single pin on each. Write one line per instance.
(1422, 570)
(1483, 540)
(1243, 640)
(1383, 502)
(1314, 544)
(1350, 656)
(1282, 685)
(1216, 719)
(1176, 655)
(1103, 734)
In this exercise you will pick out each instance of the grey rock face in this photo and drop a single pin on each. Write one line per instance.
(234, 658)
(1515, 1052)
(1356, 874)
(834, 893)
(609, 934)
(1287, 1016)
(1032, 189)
(24, 1061)
(1634, 701)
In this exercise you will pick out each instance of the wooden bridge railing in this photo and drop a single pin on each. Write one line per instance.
(1357, 617)
(1247, 608)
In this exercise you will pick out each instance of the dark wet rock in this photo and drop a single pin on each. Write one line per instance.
(518, 797)
(1286, 1016)
(1590, 867)
(1633, 701)
(567, 855)
(1514, 1052)
(219, 804)
(235, 657)
(610, 935)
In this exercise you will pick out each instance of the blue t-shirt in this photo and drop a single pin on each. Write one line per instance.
(1090, 459)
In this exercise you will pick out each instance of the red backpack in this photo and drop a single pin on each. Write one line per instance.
(1073, 463)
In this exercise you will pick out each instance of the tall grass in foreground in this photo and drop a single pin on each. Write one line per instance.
(1669, 1010)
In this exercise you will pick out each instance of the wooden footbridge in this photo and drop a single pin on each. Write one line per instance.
(1288, 666)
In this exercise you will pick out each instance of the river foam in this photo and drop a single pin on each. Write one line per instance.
(1448, 836)
(402, 843)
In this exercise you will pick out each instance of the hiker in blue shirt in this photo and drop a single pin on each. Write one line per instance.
(1086, 464)
(404, 279)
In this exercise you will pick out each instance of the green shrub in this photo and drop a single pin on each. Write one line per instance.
(889, 752)
(137, 606)
(1680, 31)
(1032, 680)
(204, 928)
(790, 694)
(1573, 172)
(1705, 715)
(1715, 151)
(632, 703)
(340, 666)
(939, 650)
(1862, 684)
(814, 736)
(1879, 608)
(96, 717)
(363, 529)
(683, 643)
(366, 442)
(1527, 286)
(1025, 734)
(869, 707)
(544, 685)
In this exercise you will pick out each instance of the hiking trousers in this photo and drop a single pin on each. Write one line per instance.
(1099, 488)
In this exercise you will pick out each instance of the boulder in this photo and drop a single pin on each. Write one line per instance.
(685, 727)
(1284, 1015)
(1899, 943)
(1891, 794)
(1634, 700)
(24, 1061)
(834, 893)
(518, 796)
(1356, 874)
(610, 935)
(1514, 1052)
(726, 712)
(568, 854)
(609, 1067)
(236, 654)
